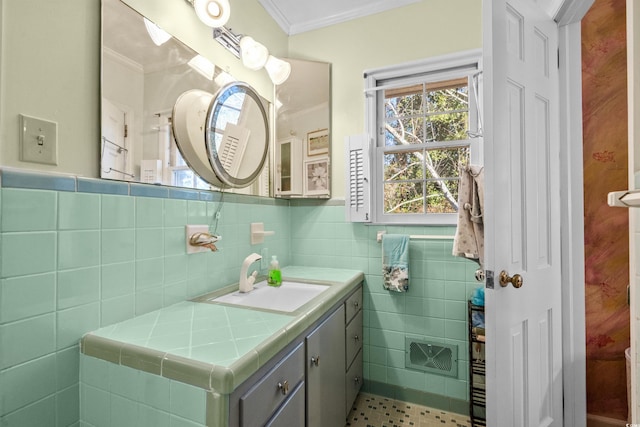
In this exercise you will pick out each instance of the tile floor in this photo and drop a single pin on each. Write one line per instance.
(375, 411)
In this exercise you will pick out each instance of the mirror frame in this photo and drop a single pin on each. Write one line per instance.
(210, 125)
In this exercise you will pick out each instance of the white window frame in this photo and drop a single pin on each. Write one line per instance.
(457, 65)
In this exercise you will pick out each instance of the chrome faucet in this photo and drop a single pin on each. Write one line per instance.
(246, 283)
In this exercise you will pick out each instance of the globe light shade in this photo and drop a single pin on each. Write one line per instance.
(277, 69)
(254, 55)
(213, 13)
(223, 79)
(203, 66)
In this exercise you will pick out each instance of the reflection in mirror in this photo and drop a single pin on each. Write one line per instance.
(303, 138)
(223, 137)
(141, 82)
(237, 135)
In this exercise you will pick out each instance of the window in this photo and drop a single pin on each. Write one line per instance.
(424, 122)
(181, 174)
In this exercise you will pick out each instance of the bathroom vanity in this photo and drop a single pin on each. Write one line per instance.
(198, 363)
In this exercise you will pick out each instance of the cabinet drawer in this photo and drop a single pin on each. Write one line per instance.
(354, 382)
(257, 404)
(354, 338)
(353, 304)
(292, 411)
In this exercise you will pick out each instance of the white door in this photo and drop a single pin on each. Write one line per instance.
(522, 199)
(114, 155)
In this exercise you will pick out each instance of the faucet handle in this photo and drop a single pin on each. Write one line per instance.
(251, 279)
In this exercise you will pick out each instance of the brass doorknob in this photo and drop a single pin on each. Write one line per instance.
(515, 280)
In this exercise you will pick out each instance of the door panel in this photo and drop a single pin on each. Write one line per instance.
(522, 201)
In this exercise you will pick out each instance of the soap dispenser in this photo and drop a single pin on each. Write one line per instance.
(275, 276)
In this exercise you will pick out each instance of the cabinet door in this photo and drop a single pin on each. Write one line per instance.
(288, 167)
(326, 392)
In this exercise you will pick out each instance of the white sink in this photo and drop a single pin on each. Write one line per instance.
(288, 297)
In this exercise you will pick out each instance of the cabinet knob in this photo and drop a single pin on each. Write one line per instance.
(356, 380)
(356, 337)
(356, 304)
(284, 387)
(315, 360)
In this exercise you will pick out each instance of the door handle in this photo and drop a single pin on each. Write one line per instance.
(515, 280)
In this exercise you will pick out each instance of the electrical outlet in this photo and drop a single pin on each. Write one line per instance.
(38, 140)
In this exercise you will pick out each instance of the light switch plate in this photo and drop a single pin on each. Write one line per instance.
(38, 140)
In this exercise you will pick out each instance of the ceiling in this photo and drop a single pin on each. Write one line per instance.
(299, 16)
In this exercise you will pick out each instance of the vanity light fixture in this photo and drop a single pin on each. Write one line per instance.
(213, 13)
(203, 66)
(228, 39)
(254, 55)
(157, 34)
(277, 69)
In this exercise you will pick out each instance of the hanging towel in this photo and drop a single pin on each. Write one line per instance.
(395, 262)
(469, 238)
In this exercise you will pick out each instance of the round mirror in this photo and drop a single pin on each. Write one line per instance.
(223, 138)
(237, 134)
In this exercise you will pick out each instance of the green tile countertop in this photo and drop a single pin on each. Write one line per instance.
(215, 346)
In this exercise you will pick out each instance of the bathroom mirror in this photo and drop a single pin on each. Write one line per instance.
(232, 150)
(303, 132)
(141, 82)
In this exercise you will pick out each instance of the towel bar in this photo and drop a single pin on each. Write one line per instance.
(417, 237)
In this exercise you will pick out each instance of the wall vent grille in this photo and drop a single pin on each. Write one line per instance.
(432, 357)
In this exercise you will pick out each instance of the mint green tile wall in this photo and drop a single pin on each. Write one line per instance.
(115, 396)
(73, 262)
(433, 309)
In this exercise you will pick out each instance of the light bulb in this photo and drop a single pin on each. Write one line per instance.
(213, 13)
(254, 55)
(277, 69)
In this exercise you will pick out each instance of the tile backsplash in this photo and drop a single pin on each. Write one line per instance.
(78, 254)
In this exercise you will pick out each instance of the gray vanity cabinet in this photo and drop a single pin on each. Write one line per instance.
(325, 366)
(312, 381)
